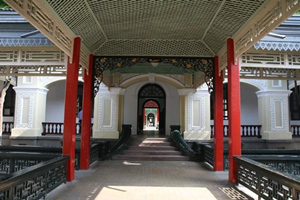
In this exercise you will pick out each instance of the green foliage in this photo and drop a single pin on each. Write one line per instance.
(3, 5)
(298, 12)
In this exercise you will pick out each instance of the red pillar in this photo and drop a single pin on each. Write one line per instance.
(70, 109)
(218, 118)
(86, 118)
(234, 110)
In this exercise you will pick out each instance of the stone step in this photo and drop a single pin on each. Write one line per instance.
(153, 148)
(151, 157)
(151, 139)
(151, 144)
(150, 152)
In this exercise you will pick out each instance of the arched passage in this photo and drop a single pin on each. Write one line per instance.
(150, 115)
(151, 109)
(56, 100)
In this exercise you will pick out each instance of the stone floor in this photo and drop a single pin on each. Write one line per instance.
(146, 180)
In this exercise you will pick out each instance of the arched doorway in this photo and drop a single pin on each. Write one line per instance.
(150, 115)
(151, 109)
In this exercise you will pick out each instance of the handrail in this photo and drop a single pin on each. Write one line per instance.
(265, 181)
(183, 146)
(207, 153)
(35, 181)
(94, 151)
(121, 143)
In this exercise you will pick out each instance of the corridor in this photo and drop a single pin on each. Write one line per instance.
(149, 180)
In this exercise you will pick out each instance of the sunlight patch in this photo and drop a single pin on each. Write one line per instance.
(233, 193)
(131, 163)
(150, 192)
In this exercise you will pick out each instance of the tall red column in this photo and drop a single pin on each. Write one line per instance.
(218, 118)
(70, 109)
(86, 117)
(234, 110)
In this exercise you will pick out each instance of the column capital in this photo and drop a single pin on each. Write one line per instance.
(268, 93)
(31, 90)
(185, 91)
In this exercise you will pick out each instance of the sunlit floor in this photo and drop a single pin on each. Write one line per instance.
(149, 180)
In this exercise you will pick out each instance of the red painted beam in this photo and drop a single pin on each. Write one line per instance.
(234, 110)
(86, 117)
(218, 118)
(70, 109)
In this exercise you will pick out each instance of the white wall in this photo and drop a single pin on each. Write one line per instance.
(55, 102)
(249, 105)
(131, 101)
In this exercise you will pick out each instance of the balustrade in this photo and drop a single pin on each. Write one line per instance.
(295, 129)
(6, 127)
(246, 131)
(57, 128)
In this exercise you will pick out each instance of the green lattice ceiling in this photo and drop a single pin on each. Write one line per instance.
(155, 27)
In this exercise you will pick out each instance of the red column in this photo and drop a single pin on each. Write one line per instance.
(70, 109)
(86, 118)
(218, 118)
(234, 110)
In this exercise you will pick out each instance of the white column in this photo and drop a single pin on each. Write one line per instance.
(197, 115)
(106, 113)
(30, 111)
(273, 111)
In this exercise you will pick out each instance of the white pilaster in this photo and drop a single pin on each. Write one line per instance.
(30, 111)
(274, 114)
(197, 117)
(106, 114)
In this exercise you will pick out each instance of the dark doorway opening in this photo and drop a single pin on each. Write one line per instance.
(151, 109)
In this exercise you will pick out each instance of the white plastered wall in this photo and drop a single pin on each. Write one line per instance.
(131, 104)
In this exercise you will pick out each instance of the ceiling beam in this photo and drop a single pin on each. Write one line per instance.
(99, 25)
(213, 20)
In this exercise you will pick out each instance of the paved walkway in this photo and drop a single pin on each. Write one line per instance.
(145, 180)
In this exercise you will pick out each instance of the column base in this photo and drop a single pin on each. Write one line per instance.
(106, 134)
(15, 132)
(197, 135)
(267, 135)
(23, 140)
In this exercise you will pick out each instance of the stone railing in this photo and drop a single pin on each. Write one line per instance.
(6, 127)
(246, 131)
(295, 129)
(57, 128)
